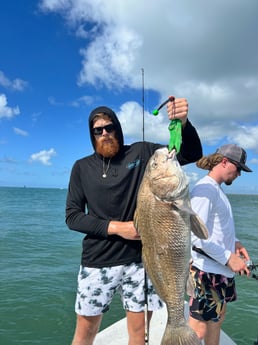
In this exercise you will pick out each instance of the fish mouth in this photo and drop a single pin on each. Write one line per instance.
(171, 154)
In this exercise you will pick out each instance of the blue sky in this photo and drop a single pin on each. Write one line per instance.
(60, 59)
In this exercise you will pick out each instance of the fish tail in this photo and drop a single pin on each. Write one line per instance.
(183, 335)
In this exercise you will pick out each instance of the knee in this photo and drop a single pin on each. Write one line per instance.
(200, 327)
(87, 327)
(136, 327)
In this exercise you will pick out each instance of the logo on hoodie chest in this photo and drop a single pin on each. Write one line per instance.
(134, 164)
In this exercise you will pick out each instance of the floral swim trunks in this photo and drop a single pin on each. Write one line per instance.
(97, 286)
(211, 291)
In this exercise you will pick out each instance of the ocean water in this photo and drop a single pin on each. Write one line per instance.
(40, 259)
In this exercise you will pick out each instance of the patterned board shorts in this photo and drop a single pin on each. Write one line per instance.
(211, 291)
(97, 286)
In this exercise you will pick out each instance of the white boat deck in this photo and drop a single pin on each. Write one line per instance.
(116, 334)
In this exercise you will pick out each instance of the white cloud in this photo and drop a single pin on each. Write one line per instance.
(254, 161)
(53, 101)
(20, 132)
(246, 137)
(5, 110)
(87, 100)
(16, 84)
(109, 60)
(192, 176)
(200, 50)
(35, 116)
(43, 156)
(131, 118)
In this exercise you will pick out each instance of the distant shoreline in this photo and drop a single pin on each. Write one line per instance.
(65, 188)
(31, 187)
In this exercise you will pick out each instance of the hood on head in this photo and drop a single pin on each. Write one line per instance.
(114, 119)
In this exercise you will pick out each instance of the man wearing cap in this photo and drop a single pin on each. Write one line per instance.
(105, 185)
(215, 260)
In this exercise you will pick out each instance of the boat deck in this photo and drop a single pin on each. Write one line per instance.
(116, 334)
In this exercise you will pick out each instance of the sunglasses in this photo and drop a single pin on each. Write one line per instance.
(99, 130)
(236, 165)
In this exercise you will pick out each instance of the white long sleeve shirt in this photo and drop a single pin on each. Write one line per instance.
(212, 205)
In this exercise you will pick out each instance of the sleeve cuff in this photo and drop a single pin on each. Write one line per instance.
(227, 256)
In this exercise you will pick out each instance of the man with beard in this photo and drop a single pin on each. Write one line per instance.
(101, 201)
(215, 260)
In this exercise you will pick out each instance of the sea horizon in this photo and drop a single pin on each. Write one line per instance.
(66, 188)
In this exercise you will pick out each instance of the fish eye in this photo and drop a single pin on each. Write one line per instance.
(153, 165)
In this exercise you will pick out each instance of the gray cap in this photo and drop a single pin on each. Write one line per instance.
(236, 154)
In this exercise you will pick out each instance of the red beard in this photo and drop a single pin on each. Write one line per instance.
(107, 149)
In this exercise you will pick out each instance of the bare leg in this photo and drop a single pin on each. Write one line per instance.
(200, 327)
(86, 329)
(212, 336)
(208, 330)
(136, 327)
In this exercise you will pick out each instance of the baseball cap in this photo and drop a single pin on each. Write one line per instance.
(236, 154)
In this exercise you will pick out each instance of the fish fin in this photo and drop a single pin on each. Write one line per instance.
(182, 335)
(183, 206)
(198, 227)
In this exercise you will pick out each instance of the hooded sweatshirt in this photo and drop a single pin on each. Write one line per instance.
(93, 201)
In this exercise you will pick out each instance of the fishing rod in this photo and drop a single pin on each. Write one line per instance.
(252, 267)
(143, 106)
(249, 263)
(145, 287)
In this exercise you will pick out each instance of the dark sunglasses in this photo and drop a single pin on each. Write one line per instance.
(238, 167)
(99, 130)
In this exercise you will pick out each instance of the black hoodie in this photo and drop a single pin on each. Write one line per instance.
(93, 201)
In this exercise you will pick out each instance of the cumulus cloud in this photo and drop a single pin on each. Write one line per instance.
(43, 156)
(200, 50)
(5, 110)
(16, 84)
(138, 126)
(247, 135)
(109, 61)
